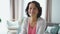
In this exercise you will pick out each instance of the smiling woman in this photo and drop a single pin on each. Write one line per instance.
(34, 12)
(43, 4)
(34, 23)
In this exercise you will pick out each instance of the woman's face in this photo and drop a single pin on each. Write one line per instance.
(33, 10)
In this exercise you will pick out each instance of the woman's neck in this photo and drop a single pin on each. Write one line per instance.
(33, 19)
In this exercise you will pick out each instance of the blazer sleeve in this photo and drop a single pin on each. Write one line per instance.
(42, 28)
(23, 28)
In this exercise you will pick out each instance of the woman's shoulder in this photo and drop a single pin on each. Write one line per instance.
(24, 23)
(25, 19)
(41, 19)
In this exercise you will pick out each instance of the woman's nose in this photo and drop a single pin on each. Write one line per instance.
(32, 10)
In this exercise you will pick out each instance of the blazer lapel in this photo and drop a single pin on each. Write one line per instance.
(37, 27)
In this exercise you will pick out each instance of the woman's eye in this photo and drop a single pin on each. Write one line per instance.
(33, 8)
(30, 8)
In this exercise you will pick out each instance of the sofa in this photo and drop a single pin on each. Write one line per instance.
(52, 28)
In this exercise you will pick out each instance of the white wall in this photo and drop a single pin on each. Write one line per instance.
(4, 15)
(55, 11)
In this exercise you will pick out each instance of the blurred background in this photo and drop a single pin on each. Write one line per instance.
(14, 10)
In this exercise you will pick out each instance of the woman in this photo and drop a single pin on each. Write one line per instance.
(34, 24)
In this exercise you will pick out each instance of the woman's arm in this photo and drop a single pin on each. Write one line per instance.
(42, 28)
(23, 28)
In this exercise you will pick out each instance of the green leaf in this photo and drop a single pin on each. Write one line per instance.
(0, 20)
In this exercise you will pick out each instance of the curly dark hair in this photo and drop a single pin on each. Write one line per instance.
(37, 5)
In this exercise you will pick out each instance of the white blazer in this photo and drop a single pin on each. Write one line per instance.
(41, 25)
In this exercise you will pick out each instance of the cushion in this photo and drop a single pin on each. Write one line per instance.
(59, 29)
(13, 24)
(52, 29)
